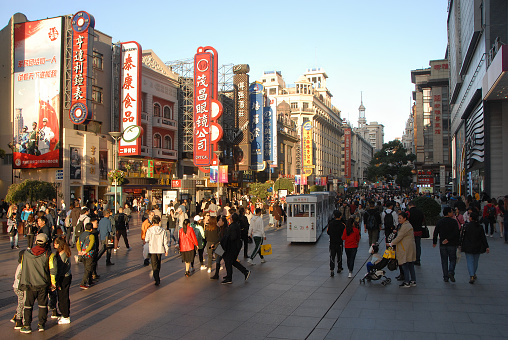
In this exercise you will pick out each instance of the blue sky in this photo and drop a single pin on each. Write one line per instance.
(366, 45)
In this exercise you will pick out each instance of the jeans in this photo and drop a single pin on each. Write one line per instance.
(409, 270)
(336, 252)
(351, 255)
(14, 240)
(492, 226)
(418, 243)
(106, 250)
(448, 254)
(171, 235)
(472, 263)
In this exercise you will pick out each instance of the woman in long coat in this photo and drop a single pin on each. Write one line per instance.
(406, 250)
(473, 242)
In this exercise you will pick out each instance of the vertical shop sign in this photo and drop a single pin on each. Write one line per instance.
(307, 155)
(256, 126)
(347, 153)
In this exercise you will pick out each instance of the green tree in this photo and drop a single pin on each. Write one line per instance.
(260, 190)
(284, 184)
(316, 188)
(30, 191)
(431, 209)
(391, 163)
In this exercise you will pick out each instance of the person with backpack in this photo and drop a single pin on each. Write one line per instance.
(389, 218)
(80, 225)
(489, 217)
(372, 223)
(121, 229)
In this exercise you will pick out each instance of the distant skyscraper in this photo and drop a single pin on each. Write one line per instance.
(362, 121)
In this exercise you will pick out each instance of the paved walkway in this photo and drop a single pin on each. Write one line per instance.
(291, 296)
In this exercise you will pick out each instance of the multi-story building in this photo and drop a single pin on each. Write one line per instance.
(309, 101)
(477, 34)
(373, 132)
(432, 125)
(357, 154)
(408, 135)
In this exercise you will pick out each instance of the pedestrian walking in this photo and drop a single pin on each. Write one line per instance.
(105, 231)
(61, 277)
(232, 243)
(447, 229)
(12, 230)
(335, 230)
(405, 250)
(351, 237)
(156, 238)
(416, 218)
(121, 229)
(473, 242)
(372, 223)
(188, 244)
(257, 232)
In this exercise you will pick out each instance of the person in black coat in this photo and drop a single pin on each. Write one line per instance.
(232, 243)
(416, 218)
(447, 229)
(335, 230)
(473, 242)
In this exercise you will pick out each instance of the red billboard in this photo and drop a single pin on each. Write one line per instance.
(207, 109)
(347, 153)
(82, 41)
(37, 85)
(130, 99)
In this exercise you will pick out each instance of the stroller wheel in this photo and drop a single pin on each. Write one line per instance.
(388, 280)
(383, 283)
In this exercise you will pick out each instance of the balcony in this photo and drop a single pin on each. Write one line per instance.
(164, 123)
(164, 153)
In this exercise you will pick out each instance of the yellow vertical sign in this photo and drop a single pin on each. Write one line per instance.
(307, 148)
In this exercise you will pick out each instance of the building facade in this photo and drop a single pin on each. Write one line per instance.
(373, 132)
(477, 34)
(408, 140)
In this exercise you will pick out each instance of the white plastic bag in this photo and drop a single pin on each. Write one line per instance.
(145, 251)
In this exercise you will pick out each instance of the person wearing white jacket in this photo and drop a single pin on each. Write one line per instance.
(157, 240)
(257, 232)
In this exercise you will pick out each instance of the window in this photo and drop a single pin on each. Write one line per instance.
(305, 105)
(273, 79)
(8, 159)
(98, 60)
(273, 90)
(97, 94)
(168, 143)
(156, 110)
(264, 80)
(157, 141)
(167, 112)
(294, 105)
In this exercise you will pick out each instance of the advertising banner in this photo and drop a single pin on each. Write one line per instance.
(304, 180)
(168, 200)
(214, 173)
(82, 47)
(267, 134)
(347, 153)
(223, 174)
(130, 99)
(256, 127)
(297, 179)
(75, 164)
(242, 119)
(274, 154)
(37, 83)
(207, 109)
(307, 156)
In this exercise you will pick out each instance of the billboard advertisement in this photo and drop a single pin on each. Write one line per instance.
(81, 90)
(274, 155)
(37, 94)
(130, 99)
(256, 127)
(307, 148)
(223, 174)
(75, 170)
(347, 153)
(214, 173)
(267, 134)
(207, 109)
(241, 137)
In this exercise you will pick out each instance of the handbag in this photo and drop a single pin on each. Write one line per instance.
(110, 241)
(425, 232)
(392, 265)
(266, 249)
(219, 250)
(389, 253)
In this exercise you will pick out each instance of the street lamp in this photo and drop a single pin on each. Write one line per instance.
(116, 135)
(218, 153)
(270, 173)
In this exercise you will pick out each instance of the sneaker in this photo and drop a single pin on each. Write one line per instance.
(19, 324)
(471, 280)
(187, 274)
(115, 250)
(452, 277)
(192, 270)
(339, 270)
(350, 275)
(226, 282)
(202, 267)
(209, 270)
(412, 283)
(17, 247)
(110, 264)
(13, 320)
(263, 260)
(41, 327)
(404, 285)
(26, 329)
(64, 321)
(249, 261)
(84, 286)
(445, 279)
(332, 273)
(215, 277)
(55, 314)
(247, 275)
(129, 248)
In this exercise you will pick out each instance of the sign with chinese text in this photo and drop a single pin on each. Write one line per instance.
(149, 172)
(307, 148)
(274, 154)
(37, 78)
(242, 119)
(130, 98)
(267, 134)
(256, 127)
(207, 109)
(347, 153)
(82, 47)
(223, 174)
(176, 183)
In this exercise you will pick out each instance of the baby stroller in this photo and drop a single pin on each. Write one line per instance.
(375, 271)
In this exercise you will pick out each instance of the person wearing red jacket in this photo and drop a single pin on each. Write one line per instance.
(351, 237)
(188, 244)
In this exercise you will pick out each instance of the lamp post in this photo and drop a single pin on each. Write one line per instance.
(270, 174)
(116, 135)
(218, 153)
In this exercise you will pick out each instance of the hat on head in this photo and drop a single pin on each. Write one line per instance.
(45, 119)
(41, 238)
(197, 218)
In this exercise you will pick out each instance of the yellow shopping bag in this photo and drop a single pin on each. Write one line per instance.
(266, 249)
(389, 253)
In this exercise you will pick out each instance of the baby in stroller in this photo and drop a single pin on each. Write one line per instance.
(375, 266)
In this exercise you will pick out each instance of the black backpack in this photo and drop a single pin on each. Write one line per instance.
(389, 221)
(80, 227)
(120, 221)
(492, 213)
(371, 221)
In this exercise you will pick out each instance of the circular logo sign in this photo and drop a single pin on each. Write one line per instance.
(18, 162)
(131, 133)
(307, 126)
(78, 113)
(81, 21)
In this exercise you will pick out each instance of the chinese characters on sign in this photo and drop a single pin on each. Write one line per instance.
(242, 119)
(130, 97)
(347, 153)
(82, 39)
(437, 114)
(256, 127)
(267, 133)
(307, 148)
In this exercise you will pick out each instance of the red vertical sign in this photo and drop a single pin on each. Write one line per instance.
(347, 153)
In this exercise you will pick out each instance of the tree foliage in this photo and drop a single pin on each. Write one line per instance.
(260, 190)
(314, 188)
(30, 191)
(391, 163)
(284, 184)
(431, 209)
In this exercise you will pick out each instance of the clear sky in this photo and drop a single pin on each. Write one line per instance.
(363, 45)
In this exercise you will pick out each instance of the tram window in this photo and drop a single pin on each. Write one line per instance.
(300, 210)
(312, 210)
